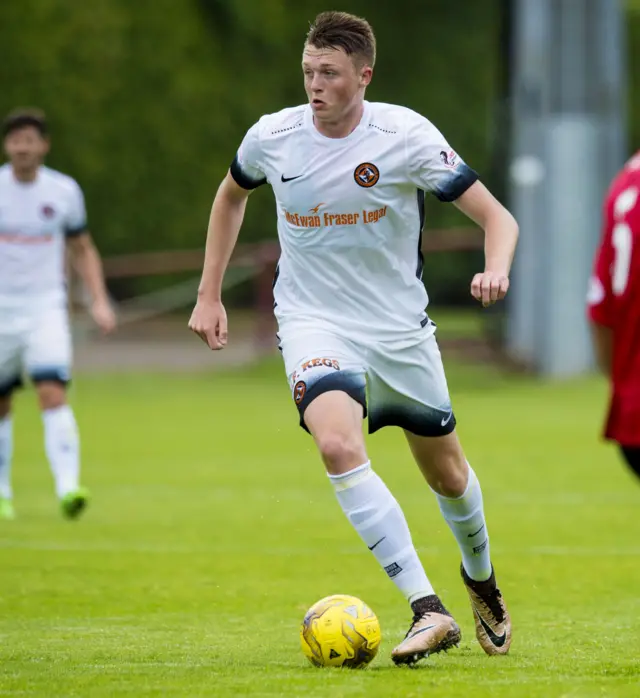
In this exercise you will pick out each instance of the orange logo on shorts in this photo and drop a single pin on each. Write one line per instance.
(299, 391)
(366, 175)
(316, 363)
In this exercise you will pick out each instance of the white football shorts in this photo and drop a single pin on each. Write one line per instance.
(398, 382)
(37, 343)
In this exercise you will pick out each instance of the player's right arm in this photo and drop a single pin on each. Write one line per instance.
(209, 319)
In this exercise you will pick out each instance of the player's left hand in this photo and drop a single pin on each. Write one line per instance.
(103, 315)
(489, 287)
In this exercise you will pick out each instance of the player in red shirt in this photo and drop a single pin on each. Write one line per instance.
(614, 309)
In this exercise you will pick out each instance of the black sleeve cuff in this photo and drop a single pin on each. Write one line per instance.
(454, 187)
(75, 232)
(243, 180)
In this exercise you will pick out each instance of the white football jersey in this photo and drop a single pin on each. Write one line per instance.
(350, 214)
(35, 219)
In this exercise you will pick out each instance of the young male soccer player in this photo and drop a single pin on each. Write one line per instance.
(40, 209)
(614, 309)
(349, 178)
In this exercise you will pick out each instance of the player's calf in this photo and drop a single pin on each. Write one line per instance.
(6, 452)
(378, 519)
(441, 461)
(62, 442)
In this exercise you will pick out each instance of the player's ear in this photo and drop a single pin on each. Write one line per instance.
(366, 73)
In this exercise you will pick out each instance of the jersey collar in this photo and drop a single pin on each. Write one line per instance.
(364, 121)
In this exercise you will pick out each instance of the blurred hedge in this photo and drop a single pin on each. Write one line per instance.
(148, 100)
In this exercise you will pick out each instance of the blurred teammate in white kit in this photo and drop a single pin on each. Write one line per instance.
(40, 211)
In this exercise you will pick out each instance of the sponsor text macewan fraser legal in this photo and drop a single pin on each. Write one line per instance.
(318, 220)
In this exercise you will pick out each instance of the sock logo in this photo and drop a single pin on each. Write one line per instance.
(479, 548)
(393, 570)
(471, 535)
(375, 545)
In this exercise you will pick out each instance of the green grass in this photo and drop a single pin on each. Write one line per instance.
(213, 528)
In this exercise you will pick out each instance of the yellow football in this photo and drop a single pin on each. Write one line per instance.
(340, 631)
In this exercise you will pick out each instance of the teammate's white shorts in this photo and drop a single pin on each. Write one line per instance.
(398, 382)
(36, 343)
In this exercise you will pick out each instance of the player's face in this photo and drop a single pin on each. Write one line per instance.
(26, 148)
(333, 82)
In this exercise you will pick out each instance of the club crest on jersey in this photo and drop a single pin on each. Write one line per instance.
(47, 211)
(449, 159)
(366, 175)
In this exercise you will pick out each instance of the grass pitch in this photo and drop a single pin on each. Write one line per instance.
(213, 528)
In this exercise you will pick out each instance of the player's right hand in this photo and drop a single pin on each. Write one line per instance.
(209, 322)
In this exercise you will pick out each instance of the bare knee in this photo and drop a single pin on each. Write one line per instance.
(341, 451)
(51, 394)
(450, 477)
(442, 463)
(335, 421)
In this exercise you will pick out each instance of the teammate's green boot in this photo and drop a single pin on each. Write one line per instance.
(7, 511)
(74, 503)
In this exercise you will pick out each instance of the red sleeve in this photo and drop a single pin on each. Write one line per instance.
(599, 297)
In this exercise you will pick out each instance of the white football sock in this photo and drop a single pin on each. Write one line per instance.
(377, 517)
(6, 452)
(63, 448)
(465, 517)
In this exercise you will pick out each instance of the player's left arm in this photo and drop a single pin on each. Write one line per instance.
(600, 296)
(500, 239)
(86, 259)
(432, 165)
(88, 264)
(602, 340)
